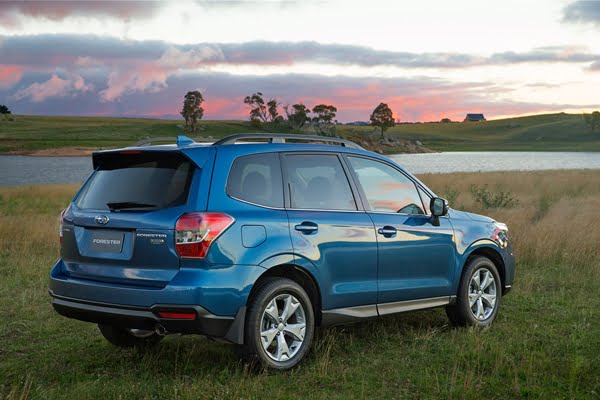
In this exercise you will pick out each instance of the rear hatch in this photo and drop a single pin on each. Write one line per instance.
(120, 227)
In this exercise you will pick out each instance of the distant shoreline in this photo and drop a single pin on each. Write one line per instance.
(389, 146)
(53, 152)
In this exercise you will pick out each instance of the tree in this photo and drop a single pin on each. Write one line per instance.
(4, 111)
(272, 111)
(261, 111)
(299, 116)
(382, 117)
(258, 109)
(325, 114)
(192, 109)
(592, 120)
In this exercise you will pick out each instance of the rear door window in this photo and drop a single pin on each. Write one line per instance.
(318, 182)
(138, 181)
(257, 179)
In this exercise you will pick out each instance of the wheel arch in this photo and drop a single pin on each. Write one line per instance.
(301, 276)
(488, 249)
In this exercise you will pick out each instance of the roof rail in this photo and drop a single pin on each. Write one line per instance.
(179, 140)
(283, 138)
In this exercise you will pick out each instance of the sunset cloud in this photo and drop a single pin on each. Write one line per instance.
(12, 13)
(53, 87)
(139, 58)
(10, 75)
(583, 12)
(59, 49)
(151, 76)
(595, 66)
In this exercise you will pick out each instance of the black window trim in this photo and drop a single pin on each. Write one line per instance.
(249, 202)
(363, 196)
(360, 208)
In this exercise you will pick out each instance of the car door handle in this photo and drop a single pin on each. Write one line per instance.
(387, 231)
(307, 227)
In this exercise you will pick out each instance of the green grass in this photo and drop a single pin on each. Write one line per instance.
(39, 132)
(552, 132)
(545, 343)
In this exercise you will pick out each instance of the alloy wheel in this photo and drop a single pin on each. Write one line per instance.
(283, 327)
(482, 294)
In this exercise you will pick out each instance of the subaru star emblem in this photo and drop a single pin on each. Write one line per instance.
(101, 219)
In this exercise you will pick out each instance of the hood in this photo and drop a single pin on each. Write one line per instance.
(467, 215)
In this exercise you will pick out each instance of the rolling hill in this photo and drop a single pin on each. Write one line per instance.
(548, 132)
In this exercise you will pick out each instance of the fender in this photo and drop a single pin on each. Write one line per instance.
(236, 332)
(478, 244)
(489, 243)
(279, 259)
(293, 259)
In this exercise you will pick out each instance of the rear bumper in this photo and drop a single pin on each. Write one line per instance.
(221, 290)
(204, 323)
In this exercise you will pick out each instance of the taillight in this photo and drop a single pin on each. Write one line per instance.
(61, 224)
(195, 232)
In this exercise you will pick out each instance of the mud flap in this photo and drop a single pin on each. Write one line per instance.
(236, 330)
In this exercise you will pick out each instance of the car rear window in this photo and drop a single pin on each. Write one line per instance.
(156, 180)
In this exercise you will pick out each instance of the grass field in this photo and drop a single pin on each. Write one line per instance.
(545, 343)
(552, 132)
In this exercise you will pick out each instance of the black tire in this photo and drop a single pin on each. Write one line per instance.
(461, 313)
(252, 350)
(123, 337)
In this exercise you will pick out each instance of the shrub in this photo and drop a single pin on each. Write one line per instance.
(487, 199)
(255, 123)
(451, 195)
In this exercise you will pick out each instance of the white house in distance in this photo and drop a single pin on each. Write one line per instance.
(474, 118)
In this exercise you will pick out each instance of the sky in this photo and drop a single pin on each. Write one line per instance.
(427, 60)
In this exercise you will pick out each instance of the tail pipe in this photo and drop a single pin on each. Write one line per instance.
(160, 330)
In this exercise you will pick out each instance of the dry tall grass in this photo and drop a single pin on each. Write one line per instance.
(556, 221)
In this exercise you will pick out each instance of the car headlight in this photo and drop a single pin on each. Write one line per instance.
(500, 235)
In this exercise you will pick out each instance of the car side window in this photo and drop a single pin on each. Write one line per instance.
(386, 188)
(257, 179)
(318, 182)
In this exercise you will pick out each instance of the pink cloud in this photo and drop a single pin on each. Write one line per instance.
(234, 108)
(53, 87)
(152, 76)
(10, 75)
(12, 13)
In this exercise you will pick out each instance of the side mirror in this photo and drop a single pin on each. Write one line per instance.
(438, 208)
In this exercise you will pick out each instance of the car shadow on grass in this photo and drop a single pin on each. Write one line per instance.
(182, 355)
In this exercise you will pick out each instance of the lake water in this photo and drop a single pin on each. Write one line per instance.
(475, 161)
(27, 170)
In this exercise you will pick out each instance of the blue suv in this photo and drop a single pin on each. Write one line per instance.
(259, 239)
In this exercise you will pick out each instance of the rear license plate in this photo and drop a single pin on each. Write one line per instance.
(107, 242)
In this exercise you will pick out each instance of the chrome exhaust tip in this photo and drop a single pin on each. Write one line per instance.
(160, 330)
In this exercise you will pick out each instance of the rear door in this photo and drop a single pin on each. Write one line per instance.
(121, 224)
(330, 230)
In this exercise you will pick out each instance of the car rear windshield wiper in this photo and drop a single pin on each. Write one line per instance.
(121, 205)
